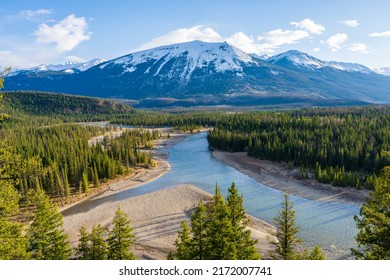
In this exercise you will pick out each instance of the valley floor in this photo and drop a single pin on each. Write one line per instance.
(279, 176)
(155, 216)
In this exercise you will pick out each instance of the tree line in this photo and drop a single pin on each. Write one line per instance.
(342, 149)
(61, 160)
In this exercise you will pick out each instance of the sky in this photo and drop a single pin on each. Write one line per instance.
(54, 31)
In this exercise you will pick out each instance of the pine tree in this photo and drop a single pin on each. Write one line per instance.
(95, 177)
(316, 254)
(374, 221)
(182, 243)
(242, 240)
(199, 241)
(66, 182)
(219, 230)
(83, 248)
(98, 249)
(47, 240)
(85, 183)
(120, 238)
(286, 231)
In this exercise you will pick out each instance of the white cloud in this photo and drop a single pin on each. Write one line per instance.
(246, 43)
(351, 23)
(198, 32)
(336, 41)
(358, 47)
(316, 50)
(265, 43)
(380, 34)
(66, 34)
(27, 56)
(31, 14)
(309, 25)
(278, 37)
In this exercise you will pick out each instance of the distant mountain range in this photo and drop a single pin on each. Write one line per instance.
(199, 73)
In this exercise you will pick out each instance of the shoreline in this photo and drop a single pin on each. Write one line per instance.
(156, 218)
(279, 177)
(138, 177)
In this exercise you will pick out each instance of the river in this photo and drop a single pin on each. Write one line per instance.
(328, 224)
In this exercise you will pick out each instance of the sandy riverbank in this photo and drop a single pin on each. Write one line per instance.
(279, 176)
(138, 176)
(156, 218)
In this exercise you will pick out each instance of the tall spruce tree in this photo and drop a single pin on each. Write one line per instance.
(242, 240)
(85, 183)
(286, 232)
(182, 243)
(120, 238)
(373, 223)
(219, 230)
(199, 241)
(99, 247)
(83, 248)
(47, 239)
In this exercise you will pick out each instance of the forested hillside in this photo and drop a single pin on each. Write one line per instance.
(343, 146)
(50, 104)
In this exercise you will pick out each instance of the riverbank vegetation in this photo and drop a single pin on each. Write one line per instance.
(46, 157)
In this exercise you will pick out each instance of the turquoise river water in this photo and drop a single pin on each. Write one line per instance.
(328, 224)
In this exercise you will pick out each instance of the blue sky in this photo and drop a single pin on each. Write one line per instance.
(53, 31)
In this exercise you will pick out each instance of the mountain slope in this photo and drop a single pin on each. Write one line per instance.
(199, 73)
(49, 104)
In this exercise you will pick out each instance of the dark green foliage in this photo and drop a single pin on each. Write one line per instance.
(83, 248)
(374, 221)
(343, 145)
(85, 183)
(47, 240)
(99, 247)
(219, 230)
(92, 246)
(216, 233)
(199, 241)
(242, 240)
(286, 232)
(183, 243)
(287, 242)
(120, 238)
(61, 156)
(61, 105)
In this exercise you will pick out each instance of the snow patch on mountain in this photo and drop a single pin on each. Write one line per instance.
(301, 59)
(196, 55)
(69, 67)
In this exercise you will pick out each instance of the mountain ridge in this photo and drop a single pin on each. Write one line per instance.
(203, 73)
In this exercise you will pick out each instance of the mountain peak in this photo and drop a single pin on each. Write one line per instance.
(218, 57)
(304, 60)
(298, 58)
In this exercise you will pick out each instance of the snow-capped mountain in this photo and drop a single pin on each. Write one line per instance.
(199, 73)
(69, 67)
(221, 57)
(301, 59)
